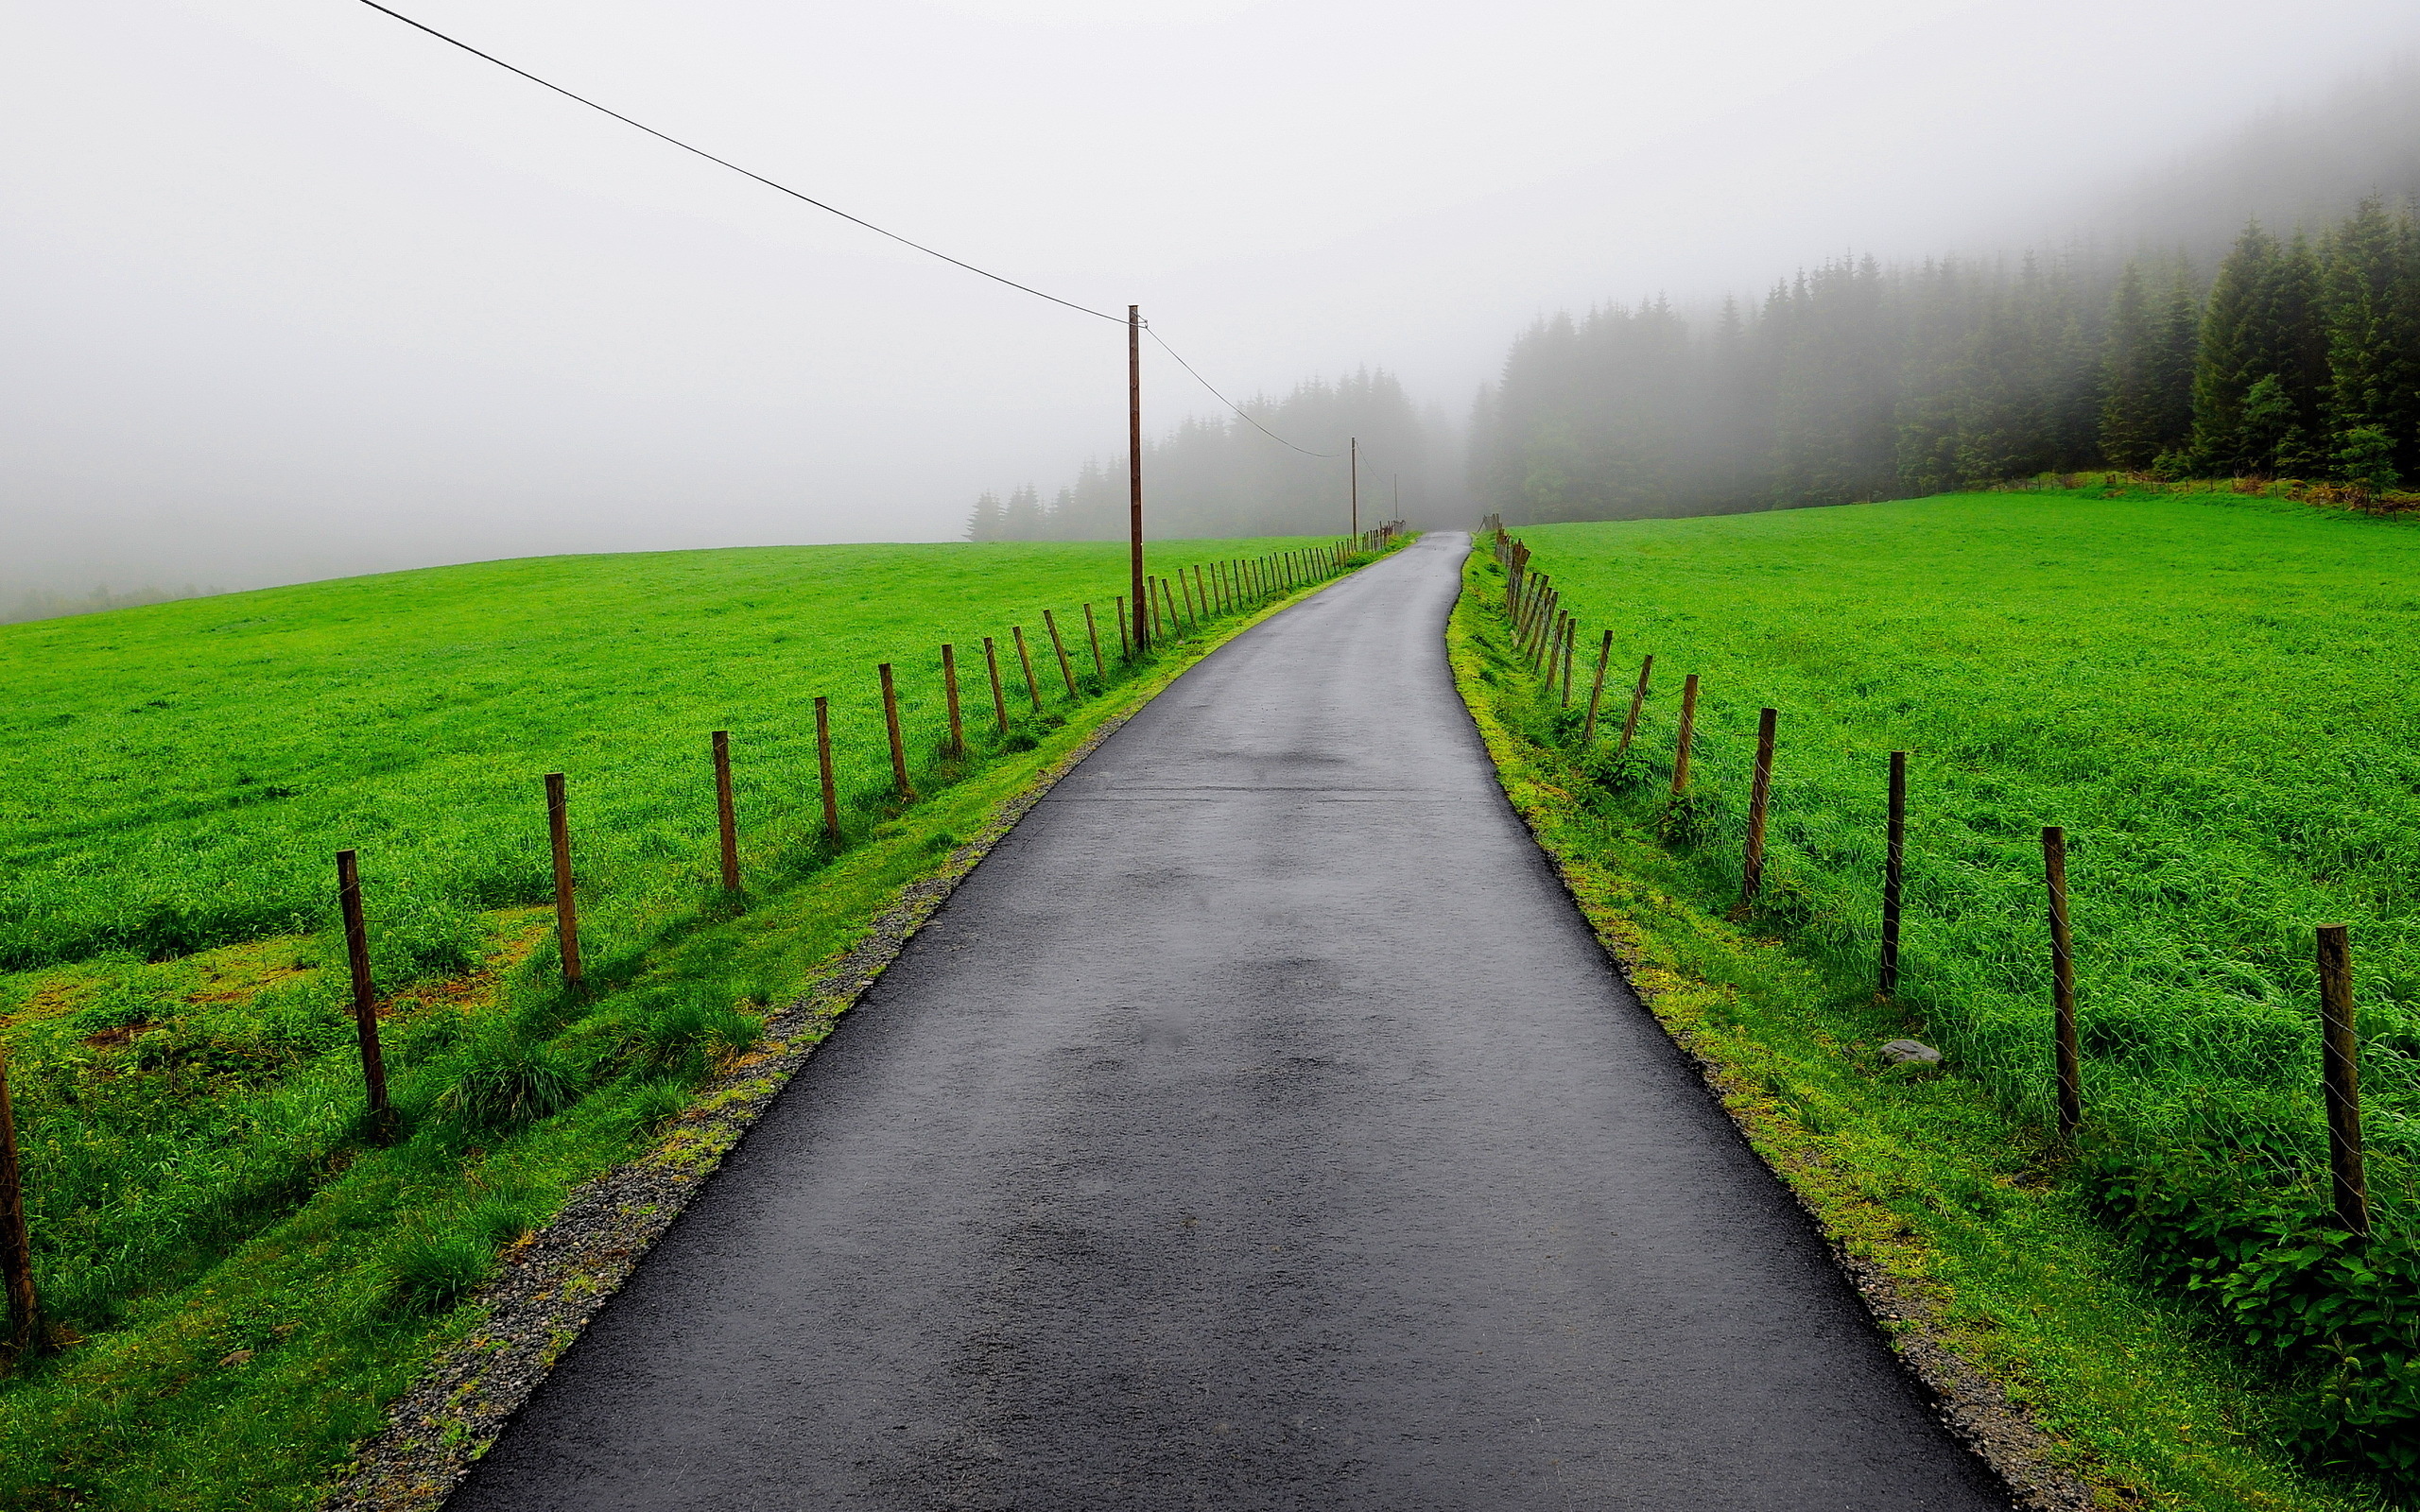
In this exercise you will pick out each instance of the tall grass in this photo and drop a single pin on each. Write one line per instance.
(2208, 695)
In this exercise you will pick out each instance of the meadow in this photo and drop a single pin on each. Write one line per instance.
(237, 1268)
(2209, 693)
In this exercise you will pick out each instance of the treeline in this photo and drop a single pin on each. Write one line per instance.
(40, 604)
(1211, 478)
(2299, 357)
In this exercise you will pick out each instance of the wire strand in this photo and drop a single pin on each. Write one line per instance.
(736, 168)
(1231, 404)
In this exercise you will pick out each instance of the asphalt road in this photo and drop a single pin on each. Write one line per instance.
(1258, 1127)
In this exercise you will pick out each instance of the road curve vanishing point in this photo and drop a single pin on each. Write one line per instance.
(1259, 1126)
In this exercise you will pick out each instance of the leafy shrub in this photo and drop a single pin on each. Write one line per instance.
(2296, 1289)
(510, 1083)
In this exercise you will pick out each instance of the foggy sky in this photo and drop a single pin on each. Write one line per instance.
(293, 290)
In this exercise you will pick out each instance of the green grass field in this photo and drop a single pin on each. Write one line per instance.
(240, 1273)
(2210, 694)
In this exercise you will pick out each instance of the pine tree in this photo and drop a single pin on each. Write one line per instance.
(2373, 347)
(2130, 415)
(984, 525)
(2228, 361)
(2178, 337)
(1022, 519)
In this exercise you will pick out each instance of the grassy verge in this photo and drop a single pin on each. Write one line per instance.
(243, 1277)
(1928, 1178)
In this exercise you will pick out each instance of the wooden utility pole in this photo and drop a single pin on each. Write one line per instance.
(1134, 469)
(1352, 475)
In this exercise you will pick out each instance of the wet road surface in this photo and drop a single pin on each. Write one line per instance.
(1258, 1127)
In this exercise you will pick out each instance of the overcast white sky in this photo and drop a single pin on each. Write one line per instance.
(292, 290)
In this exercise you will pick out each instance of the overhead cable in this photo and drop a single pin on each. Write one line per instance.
(1231, 404)
(736, 168)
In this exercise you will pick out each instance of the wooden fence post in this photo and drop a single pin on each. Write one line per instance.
(1066, 673)
(1570, 650)
(365, 992)
(2339, 1062)
(726, 815)
(1894, 853)
(16, 1246)
(1154, 621)
(566, 908)
(1759, 795)
(1185, 586)
(1025, 660)
(2063, 982)
(1202, 591)
(1597, 693)
(823, 771)
(1092, 632)
(1124, 644)
(1637, 700)
(1553, 649)
(898, 745)
(1688, 730)
(949, 683)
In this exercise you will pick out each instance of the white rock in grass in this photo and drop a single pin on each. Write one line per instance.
(1905, 1052)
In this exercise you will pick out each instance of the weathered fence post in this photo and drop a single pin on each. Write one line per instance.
(890, 723)
(1688, 730)
(2339, 1062)
(1553, 649)
(1751, 879)
(2063, 982)
(1025, 660)
(1637, 700)
(1894, 852)
(1185, 586)
(1066, 673)
(949, 684)
(16, 1246)
(1092, 633)
(1570, 650)
(365, 992)
(726, 815)
(828, 779)
(1125, 643)
(566, 908)
(1597, 693)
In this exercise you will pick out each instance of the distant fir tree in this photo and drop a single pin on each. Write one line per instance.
(2229, 359)
(2130, 413)
(1022, 519)
(2177, 335)
(984, 523)
(2372, 301)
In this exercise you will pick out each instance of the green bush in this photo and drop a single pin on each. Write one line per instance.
(429, 1271)
(510, 1083)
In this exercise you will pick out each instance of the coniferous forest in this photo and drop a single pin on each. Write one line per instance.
(1233, 478)
(2296, 356)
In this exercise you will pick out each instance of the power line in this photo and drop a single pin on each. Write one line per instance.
(1231, 404)
(736, 168)
(858, 220)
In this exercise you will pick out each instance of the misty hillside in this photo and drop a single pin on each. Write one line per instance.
(1854, 379)
(2173, 335)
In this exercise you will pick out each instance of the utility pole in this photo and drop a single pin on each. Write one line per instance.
(1134, 471)
(1354, 473)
